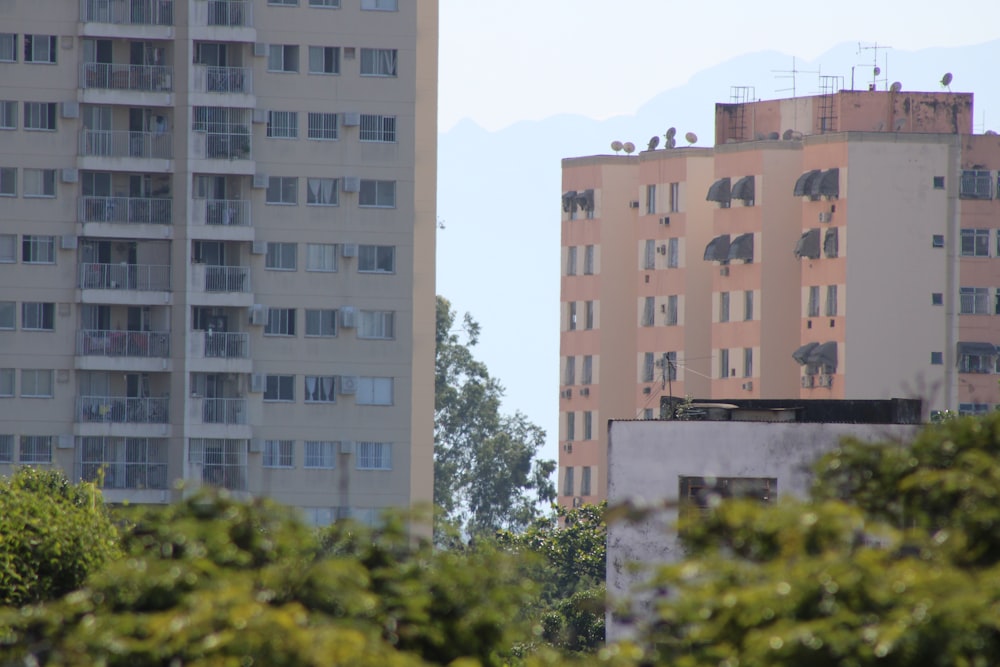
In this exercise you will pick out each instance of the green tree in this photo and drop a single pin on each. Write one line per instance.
(486, 472)
(52, 535)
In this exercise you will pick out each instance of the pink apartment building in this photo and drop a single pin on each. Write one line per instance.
(838, 246)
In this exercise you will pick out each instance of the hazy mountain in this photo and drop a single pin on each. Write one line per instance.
(498, 197)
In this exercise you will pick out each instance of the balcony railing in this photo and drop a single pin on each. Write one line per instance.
(227, 279)
(139, 210)
(122, 410)
(224, 411)
(120, 143)
(227, 145)
(231, 13)
(227, 345)
(140, 277)
(141, 344)
(128, 12)
(227, 212)
(146, 78)
(210, 79)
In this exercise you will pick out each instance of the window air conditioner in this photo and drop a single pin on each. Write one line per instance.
(259, 181)
(260, 50)
(350, 184)
(68, 242)
(257, 383)
(256, 446)
(647, 390)
(348, 385)
(70, 109)
(258, 248)
(349, 250)
(258, 315)
(259, 116)
(346, 446)
(69, 176)
(568, 448)
(348, 315)
(351, 118)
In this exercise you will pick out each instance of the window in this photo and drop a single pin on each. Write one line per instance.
(671, 318)
(748, 305)
(38, 316)
(650, 199)
(379, 194)
(813, 305)
(39, 182)
(673, 251)
(649, 255)
(724, 363)
(649, 304)
(585, 481)
(224, 462)
(286, 3)
(35, 449)
(377, 259)
(374, 391)
(723, 306)
(937, 241)
(973, 300)
(378, 62)
(747, 362)
(40, 116)
(698, 492)
(977, 363)
(283, 124)
(570, 374)
(282, 190)
(7, 315)
(280, 322)
(322, 126)
(380, 5)
(570, 426)
(588, 425)
(939, 182)
(8, 115)
(6, 448)
(38, 249)
(937, 298)
(937, 358)
(327, 4)
(568, 485)
(588, 260)
(376, 324)
(831, 242)
(966, 409)
(831, 300)
(647, 367)
(6, 382)
(123, 463)
(975, 184)
(40, 49)
(322, 323)
(571, 261)
(320, 454)
(675, 197)
(378, 128)
(670, 362)
(321, 257)
(8, 248)
(8, 47)
(647, 413)
(373, 455)
(283, 58)
(279, 388)
(587, 376)
(278, 453)
(324, 60)
(322, 192)
(319, 389)
(281, 256)
(8, 181)
(975, 243)
(36, 383)
(571, 315)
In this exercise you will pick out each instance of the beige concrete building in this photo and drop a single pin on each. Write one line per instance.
(217, 247)
(837, 246)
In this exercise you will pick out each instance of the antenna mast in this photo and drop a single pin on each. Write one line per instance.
(876, 70)
(791, 74)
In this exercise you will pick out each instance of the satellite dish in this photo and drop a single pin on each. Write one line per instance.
(670, 143)
(946, 81)
(773, 136)
(654, 141)
(628, 147)
(991, 133)
(671, 132)
(880, 126)
(788, 134)
(899, 124)
(691, 138)
(616, 146)
(896, 87)
(877, 70)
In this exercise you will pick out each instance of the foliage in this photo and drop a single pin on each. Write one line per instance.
(52, 535)
(486, 474)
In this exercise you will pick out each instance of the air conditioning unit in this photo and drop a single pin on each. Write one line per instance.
(258, 248)
(65, 442)
(69, 176)
(348, 384)
(350, 184)
(348, 317)
(665, 220)
(259, 181)
(349, 52)
(577, 501)
(826, 380)
(825, 216)
(256, 383)
(70, 109)
(585, 391)
(346, 446)
(260, 50)
(259, 116)
(724, 271)
(808, 381)
(256, 445)
(634, 203)
(349, 250)
(68, 242)
(747, 386)
(258, 315)
(351, 118)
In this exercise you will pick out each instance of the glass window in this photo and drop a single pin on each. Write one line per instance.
(8, 181)
(319, 389)
(378, 128)
(376, 258)
(280, 322)
(8, 248)
(8, 47)
(321, 257)
(379, 62)
(322, 192)
(283, 58)
(374, 391)
(39, 182)
(322, 323)
(281, 256)
(279, 388)
(36, 383)
(378, 194)
(8, 114)
(8, 310)
(6, 383)
(278, 453)
(831, 300)
(320, 454)
(723, 306)
(326, 4)
(40, 49)
(975, 243)
(650, 199)
(40, 116)
(35, 449)
(38, 249)
(38, 316)
(380, 5)
(283, 124)
(373, 455)
(324, 60)
(322, 126)
(376, 324)
(282, 190)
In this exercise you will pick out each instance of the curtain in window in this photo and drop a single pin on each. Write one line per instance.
(387, 63)
(311, 394)
(328, 387)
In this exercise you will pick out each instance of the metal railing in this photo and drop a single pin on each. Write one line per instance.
(228, 212)
(103, 343)
(150, 78)
(224, 411)
(125, 143)
(231, 13)
(118, 475)
(122, 410)
(227, 345)
(227, 279)
(128, 12)
(211, 79)
(140, 277)
(139, 210)
(227, 145)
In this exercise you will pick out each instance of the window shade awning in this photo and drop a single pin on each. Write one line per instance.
(801, 355)
(717, 249)
(569, 201)
(803, 186)
(719, 192)
(825, 353)
(585, 200)
(744, 189)
(977, 349)
(742, 247)
(827, 184)
(808, 245)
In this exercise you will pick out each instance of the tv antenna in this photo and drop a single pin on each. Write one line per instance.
(791, 74)
(879, 74)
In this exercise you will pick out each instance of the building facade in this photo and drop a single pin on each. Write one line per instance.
(217, 247)
(842, 246)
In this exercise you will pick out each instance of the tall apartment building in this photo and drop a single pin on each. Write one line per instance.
(217, 247)
(838, 246)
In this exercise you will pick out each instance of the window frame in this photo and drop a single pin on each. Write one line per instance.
(278, 454)
(334, 190)
(319, 455)
(31, 40)
(322, 53)
(280, 185)
(325, 255)
(651, 199)
(8, 242)
(323, 320)
(281, 256)
(376, 5)
(317, 126)
(375, 57)
(8, 307)
(40, 117)
(979, 297)
(283, 322)
(34, 244)
(8, 382)
(33, 385)
(370, 395)
(831, 305)
(374, 189)
(379, 458)
(46, 178)
(289, 53)
(376, 263)
(279, 388)
(325, 4)
(979, 242)
(377, 128)
(35, 449)
(8, 114)
(8, 38)
(42, 319)
(282, 125)
(376, 321)
(323, 398)
(8, 181)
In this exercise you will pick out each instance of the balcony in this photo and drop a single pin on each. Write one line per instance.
(229, 411)
(227, 345)
(227, 279)
(139, 78)
(221, 220)
(223, 14)
(122, 410)
(128, 12)
(223, 80)
(136, 344)
(126, 144)
(126, 210)
(122, 276)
